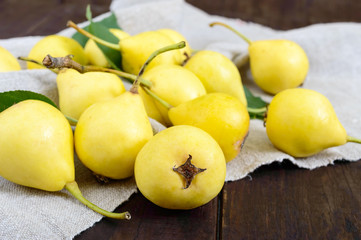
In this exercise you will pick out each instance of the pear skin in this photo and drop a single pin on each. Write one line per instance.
(221, 115)
(177, 37)
(175, 85)
(36, 146)
(136, 49)
(277, 65)
(7, 61)
(302, 122)
(217, 73)
(56, 46)
(157, 164)
(77, 91)
(110, 134)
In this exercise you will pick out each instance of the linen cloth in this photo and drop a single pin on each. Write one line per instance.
(334, 52)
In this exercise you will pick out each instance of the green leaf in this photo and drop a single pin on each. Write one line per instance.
(88, 13)
(113, 56)
(255, 105)
(108, 22)
(7, 99)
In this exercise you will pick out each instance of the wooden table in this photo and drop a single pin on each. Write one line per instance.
(278, 201)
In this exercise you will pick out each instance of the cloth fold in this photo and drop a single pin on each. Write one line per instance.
(334, 52)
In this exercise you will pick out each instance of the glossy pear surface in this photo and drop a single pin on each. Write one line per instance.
(277, 65)
(302, 122)
(170, 148)
(217, 73)
(95, 55)
(177, 37)
(36, 146)
(175, 85)
(56, 46)
(109, 135)
(77, 91)
(7, 61)
(136, 49)
(221, 115)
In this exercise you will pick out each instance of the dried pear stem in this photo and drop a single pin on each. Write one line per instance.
(175, 46)
(233, 30)
(91, 36)
(352, 139)
(53, 63)
(67, 62)
(73, 188)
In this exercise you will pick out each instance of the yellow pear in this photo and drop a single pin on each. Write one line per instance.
(136, 49)
(221, 115)
(56, 46)
(7, 61)
(77, 91)
(181, 167)
(217, 73)
(177, 37)
(302, 122)
(277, 64)
(109, 135)
(36, 143)
(173, 84)
(95, 55)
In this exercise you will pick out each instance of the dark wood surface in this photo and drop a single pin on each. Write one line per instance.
(278, 201)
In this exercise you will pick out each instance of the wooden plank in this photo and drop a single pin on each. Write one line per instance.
(152, 222)
(285, 14)
(284, 202)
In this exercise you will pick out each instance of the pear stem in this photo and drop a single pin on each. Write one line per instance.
(36, 62)
(233, 30)
(156, 97)
(256, 110)
(175, 46)
(71, 120)
(91, 36)
(352, 139)
(73, 188)
(67, 62)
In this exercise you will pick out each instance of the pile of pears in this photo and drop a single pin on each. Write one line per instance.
(197, 95)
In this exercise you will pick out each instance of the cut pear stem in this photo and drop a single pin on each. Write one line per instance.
(71, 120)
(233, 30)
(175, 46)
(36, 62)
(73, 188)
(352, 139)
(94, 38)
(156, 97)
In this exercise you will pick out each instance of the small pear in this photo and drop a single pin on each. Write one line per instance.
(7, 61)
(177, 37)
(77, 91)
(302, 122)
(56, 46)
(36, 143)
(173, 84)
(181, 167)
(136, 49)
(221, 115)
(277, 64)
(217, 73)
(109, 135)
(95, 55)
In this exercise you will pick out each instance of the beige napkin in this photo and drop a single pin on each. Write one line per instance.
(334, 51)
